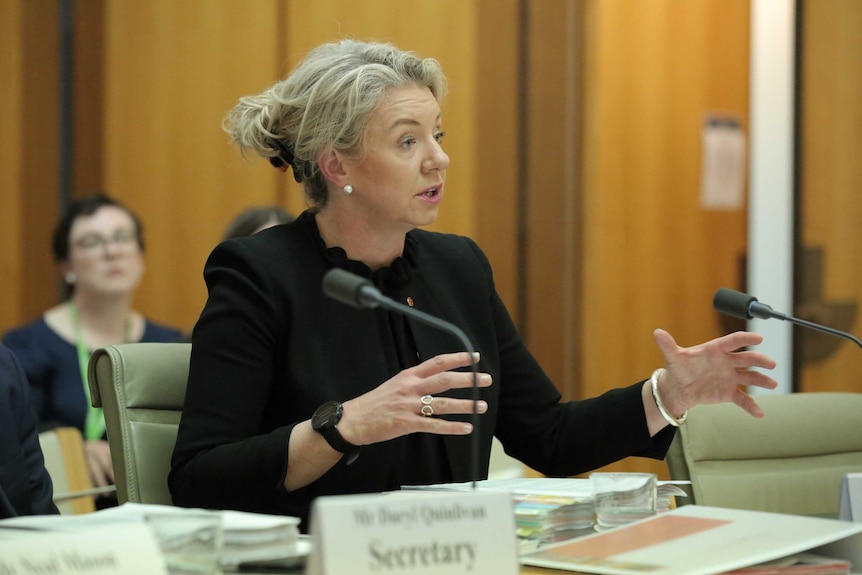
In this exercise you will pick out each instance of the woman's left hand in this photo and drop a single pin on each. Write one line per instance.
(99, 462)
(712, 372)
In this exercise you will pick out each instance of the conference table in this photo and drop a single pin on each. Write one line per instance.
(525, 570)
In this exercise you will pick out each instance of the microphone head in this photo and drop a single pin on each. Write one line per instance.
(733, 303)
(343, 286)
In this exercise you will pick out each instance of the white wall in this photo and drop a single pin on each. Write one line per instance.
(771, 200)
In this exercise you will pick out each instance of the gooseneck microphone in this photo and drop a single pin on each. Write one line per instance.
(744, 306)
(359, 292)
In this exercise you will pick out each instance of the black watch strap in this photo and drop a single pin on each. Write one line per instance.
(324, 421)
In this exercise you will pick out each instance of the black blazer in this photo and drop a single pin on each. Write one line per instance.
(270, 347)
(25, 487)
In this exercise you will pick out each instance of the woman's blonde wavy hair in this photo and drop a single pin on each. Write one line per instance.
(325, 105)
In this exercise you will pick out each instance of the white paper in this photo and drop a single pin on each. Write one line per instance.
(118, 550)
(722, 165)
(248, 537)
(695, 540)
(564, 487)
(850, 508)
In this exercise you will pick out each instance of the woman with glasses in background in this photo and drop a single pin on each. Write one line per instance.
(98, 247)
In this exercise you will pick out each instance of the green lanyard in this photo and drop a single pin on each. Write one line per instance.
(94, 425)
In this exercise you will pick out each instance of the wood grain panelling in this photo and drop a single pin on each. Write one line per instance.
(831, 180)
(88, 97)
(11, 126)
(497, 142)
(29, 170)
(653, 256)
(172, 69)
(554, 194)
(40, 167)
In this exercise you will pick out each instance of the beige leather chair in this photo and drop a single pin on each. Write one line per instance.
(503, 466)
(141, 387)
(791, 461)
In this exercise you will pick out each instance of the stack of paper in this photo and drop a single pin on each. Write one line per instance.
(547, 509)
(667, 492)
(249, 538)
(257, 538)
(543, 518)
(634, 497)
(624, 498)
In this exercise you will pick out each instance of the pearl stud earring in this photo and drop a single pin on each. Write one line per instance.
(348, 189)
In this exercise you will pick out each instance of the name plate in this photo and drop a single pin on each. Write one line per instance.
(851, 498)
(116, 550)
(424, 532)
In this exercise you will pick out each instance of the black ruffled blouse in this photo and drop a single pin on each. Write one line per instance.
(424, 458)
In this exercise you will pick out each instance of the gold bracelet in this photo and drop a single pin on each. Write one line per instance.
(676, 422)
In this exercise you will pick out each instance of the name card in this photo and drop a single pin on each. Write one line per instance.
(424, 532)
(116, 550)
(851, 498)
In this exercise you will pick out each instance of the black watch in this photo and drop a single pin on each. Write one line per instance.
(324, 421)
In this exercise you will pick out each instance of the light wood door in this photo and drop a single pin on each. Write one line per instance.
(619, 237)
(828, 263)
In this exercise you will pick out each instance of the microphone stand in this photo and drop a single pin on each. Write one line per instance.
(737, 304)
(768, 313)
(428, 319)
(359, 292)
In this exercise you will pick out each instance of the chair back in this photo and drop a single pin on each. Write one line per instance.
(63, 450)
(141, 387)
(790, 461)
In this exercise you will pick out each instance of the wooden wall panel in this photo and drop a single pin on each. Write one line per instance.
(11, 126)
(29, 59)
(497, 143)
(554, 194)
(831, 179)
(172, 69)
(653, 256)
(88, 85)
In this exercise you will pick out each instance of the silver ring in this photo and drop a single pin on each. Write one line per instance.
(426, 410)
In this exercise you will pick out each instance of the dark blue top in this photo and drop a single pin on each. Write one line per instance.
(25, 487)
(51, 365)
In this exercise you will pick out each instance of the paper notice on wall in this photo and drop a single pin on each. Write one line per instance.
(722, 181)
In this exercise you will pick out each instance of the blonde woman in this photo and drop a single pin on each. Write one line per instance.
(293, 395)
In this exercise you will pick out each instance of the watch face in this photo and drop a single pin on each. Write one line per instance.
(327, 415)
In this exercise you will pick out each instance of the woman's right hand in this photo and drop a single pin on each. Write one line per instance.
(391, 410)
(395, 408)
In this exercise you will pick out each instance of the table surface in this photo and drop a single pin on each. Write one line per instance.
(525, 570)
